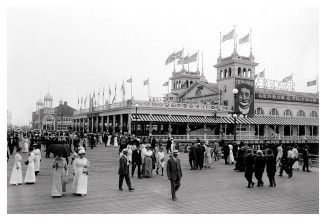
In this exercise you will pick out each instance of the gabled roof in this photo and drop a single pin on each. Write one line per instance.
(211, 86)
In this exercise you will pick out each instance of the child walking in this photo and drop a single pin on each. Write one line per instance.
(160, 160)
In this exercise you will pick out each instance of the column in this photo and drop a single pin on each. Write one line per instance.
(92, 127)
(102, 123)
(150, 129)
(170, 129)
(205, 131)
(121, 123)
(129, 123)
(188, 131)
(258, 131)
(113, 124)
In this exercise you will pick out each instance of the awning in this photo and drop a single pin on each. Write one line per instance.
(268, 120)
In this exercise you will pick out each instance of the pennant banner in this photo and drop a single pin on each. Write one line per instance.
(244, 39)
(166, 83)
(288, 78)
(260, 74)
(178, 55)
(146, 82)
(170, 59)
(129, 80)
(229, 36)
(192, 58)
(311, 83)
(183, 60)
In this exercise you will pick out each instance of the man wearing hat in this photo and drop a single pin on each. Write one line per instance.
(174, 172)
(259, 167)
(124, 170)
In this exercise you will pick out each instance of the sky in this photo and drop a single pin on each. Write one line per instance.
(73, 51)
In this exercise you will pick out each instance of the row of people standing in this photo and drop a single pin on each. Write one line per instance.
(200, 153)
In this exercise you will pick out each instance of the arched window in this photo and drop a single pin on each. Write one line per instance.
(301, 113)
(259, 111)
(288, 113)
(249, 73)
(221, 74)
(273, 112)
(244, 72)
(225, 73)
(229, 72)
(313, 114)
(239, 71)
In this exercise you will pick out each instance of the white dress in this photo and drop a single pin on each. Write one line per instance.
(30, 172)
(79, 185)
(25, 147)
(296, 163)
(17, 174)
(38, 158)
(230, 157)
(109, 141)
(208, 157)
(115, 142)
(279, 154)
(160, 160)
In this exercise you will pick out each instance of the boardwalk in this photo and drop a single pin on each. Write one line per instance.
(216, 190)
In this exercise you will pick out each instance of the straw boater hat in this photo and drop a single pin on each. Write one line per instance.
(175, 152)
(81, 152)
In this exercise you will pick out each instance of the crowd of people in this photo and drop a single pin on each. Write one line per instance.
(147, 155)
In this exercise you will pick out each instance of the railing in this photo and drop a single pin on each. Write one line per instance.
(158, 104)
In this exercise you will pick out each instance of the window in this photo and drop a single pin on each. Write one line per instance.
(225, 88)
(313, 114)
(226, 103)
(288, 113)
(259, 111)
(273, 112)
(301, 113)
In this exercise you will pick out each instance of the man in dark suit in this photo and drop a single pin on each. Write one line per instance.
(259, 168)
(174, 173)
(136, 161)
(192, 156)
(249, 168)
(226, 152)
(168, 145)
(305, 156)
(124, 170)
(200, 156)
(92, 141)
(105, 139)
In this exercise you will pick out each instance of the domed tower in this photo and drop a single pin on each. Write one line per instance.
(48, 101)
(39, 104)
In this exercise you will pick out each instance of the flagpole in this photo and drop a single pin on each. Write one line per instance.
(220, 45)
(148, 88)
(234, 39)
(109, 94)
(250, 43)
(103, 95)
(317, 84)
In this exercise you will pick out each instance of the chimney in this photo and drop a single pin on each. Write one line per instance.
(65, 103)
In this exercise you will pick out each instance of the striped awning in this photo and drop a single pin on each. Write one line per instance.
(269, 120)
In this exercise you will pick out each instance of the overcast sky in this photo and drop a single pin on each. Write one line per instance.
(77, 50)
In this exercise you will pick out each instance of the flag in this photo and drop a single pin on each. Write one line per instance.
(146, 82)
(109, 91)
(123, 88)
(244, 39)
(183, 60)
(78, 100)
(99, 90)
(178, 55)
(129, 80)
(81, 101)
(170, 59)
(260, 74)
(94, 94)
(166, 83)
(85, 100)
(229, 36)
(103, 91)
(311, 83)
(288, 78)
(192, 58)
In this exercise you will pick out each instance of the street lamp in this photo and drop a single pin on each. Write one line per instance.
(234, 115)
(136, 119)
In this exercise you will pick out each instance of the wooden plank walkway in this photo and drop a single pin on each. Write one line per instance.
(215, 190)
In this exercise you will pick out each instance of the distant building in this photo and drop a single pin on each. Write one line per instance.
(48, 118)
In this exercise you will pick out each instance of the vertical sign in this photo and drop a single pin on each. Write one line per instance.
(245, 98)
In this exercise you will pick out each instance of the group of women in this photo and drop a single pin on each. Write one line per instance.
(60, 175)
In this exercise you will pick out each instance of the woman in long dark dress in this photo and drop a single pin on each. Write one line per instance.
(239, 166)
(271, 167)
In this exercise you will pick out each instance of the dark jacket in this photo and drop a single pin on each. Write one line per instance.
(173, 169)
(226, 150)
(168, 144)
(270, 164)
(136, 157)
(249, 163)
(123, 168)
(192, 152)
(200, 152)
(260, 164)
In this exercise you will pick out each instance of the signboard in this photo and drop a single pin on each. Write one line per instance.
(245, 100)
(286, 98)
(282, 141)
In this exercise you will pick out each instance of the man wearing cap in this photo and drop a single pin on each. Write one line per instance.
(124, 170)
(174, 172)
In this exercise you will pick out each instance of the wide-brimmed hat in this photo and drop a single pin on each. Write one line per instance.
(175, 152)
(81, 152)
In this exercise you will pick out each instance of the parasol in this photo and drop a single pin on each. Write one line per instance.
(60, 148)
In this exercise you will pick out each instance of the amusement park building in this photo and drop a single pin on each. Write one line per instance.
(197, 109)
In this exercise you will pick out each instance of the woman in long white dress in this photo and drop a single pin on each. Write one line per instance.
(208, 156)
(59, 176)
(230, 157)
(147, 162)
(30, 172)
(115, 141)
(296, 158)
(25, 141)
(38, 158)
(80, 172)
(17, 174)
(279, 154)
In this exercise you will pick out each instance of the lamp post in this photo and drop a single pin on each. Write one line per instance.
(234, 115)
(136, 120)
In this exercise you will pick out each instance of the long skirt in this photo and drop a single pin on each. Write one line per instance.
(230, 157)
(16, 175)
(147, 167)
(79, 185)
(30, 173)
(208, 160)
(25, 147)
(295, 165)
(58, 184)
(37, 163)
